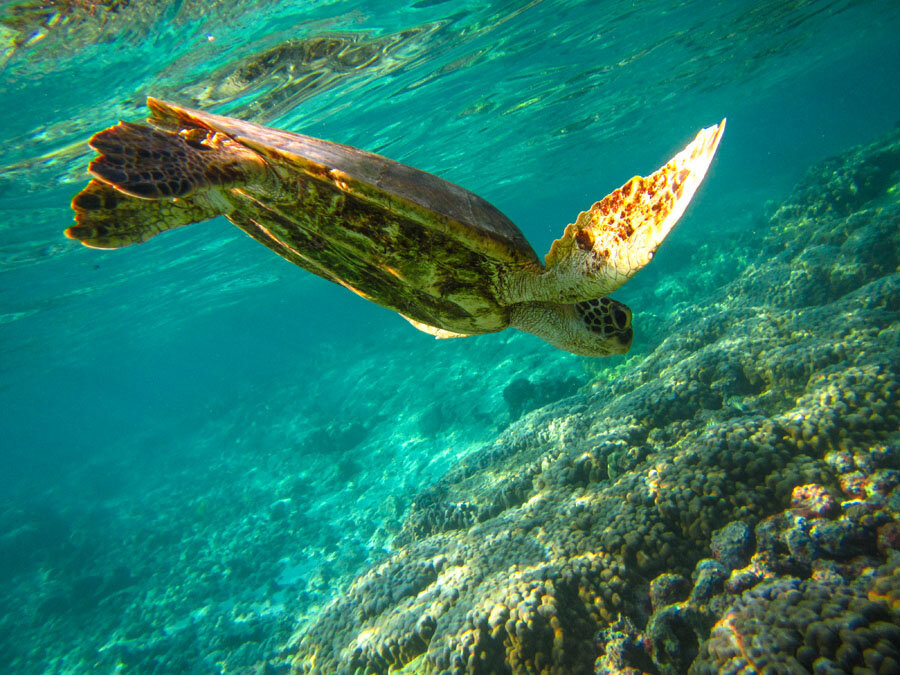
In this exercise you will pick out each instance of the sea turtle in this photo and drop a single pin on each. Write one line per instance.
(440, 256)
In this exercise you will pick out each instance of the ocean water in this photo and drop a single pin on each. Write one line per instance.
(213, 461)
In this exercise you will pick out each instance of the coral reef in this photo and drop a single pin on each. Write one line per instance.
(763, 431)
(822, 625)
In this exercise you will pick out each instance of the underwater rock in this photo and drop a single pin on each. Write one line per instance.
(732, 544)
(768, 412)
(814, 501)
(336, 438)
(805, 625)
(667, 589)
(523, 395)
(625, 650)
(709, 579)
(29, 536)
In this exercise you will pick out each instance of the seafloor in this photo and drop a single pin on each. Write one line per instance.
(726, 501)
(727, 504)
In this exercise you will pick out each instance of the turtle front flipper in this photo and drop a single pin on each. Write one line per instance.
(618, 235)
(147, 180)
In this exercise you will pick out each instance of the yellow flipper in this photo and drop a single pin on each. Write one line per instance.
(621, 232)
(439, 333)
(108, 218)
(147, 180)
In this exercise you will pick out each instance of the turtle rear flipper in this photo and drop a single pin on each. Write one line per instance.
(147, 180)
(108, 218)
(148, 163)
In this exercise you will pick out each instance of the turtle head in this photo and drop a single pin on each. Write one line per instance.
(600, 327)
(604, 327)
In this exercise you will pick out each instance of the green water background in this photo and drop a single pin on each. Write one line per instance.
(197, 380)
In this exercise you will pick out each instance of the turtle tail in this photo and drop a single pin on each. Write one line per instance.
(147, 181)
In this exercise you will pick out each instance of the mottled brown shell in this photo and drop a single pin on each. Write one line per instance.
(403, 238)
(433, 201)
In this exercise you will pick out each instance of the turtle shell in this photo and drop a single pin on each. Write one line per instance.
(401, 237)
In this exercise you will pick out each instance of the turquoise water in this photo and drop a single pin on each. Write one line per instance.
(203, 445)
